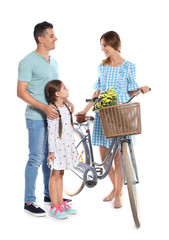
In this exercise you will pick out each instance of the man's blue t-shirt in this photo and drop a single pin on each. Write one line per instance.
(37, 71)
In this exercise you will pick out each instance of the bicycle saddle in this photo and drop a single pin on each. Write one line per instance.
(83, 118)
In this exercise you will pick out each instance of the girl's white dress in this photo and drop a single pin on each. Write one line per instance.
(66, 156)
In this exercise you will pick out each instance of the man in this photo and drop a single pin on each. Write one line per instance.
(35, 70)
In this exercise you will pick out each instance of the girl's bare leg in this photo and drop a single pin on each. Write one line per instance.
(56, 187)
(60, 189)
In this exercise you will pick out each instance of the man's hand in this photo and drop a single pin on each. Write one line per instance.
(70, 105)
(51, 111)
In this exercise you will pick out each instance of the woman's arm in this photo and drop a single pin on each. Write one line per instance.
(143, 89)
(89, 105)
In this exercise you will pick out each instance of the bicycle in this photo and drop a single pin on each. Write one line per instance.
(119, 122)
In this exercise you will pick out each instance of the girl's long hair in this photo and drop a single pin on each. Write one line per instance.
(113, 40)
(51, 88)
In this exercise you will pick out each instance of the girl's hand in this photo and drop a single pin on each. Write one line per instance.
(50, 156)
(145, 89)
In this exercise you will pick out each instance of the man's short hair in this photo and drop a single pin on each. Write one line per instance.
(40, 29)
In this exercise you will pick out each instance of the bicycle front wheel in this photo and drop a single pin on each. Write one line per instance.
(131, 183)
(73, 179)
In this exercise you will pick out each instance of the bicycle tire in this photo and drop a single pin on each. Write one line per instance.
(73, 180)
(131, 183)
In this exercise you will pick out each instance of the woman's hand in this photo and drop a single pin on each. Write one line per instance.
(145, 89)
(81, 113)
(50, 156)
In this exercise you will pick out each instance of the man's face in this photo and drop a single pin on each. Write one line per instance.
(48, 40)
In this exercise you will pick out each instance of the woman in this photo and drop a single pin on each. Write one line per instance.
(117, 72)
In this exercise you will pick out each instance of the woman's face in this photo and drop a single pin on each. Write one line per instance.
(108, 51)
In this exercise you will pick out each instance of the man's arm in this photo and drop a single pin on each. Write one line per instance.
(49, 110)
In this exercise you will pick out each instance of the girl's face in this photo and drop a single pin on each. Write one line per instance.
(108, 51)
(64, 92)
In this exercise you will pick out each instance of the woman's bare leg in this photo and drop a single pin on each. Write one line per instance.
(116, 177)
(118, 180)
(103, 153)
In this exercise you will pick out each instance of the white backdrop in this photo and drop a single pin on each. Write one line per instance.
(143, 28)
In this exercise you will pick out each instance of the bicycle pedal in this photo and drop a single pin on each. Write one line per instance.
(91, 183)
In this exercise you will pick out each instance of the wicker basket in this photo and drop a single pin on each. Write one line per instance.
(121, 120)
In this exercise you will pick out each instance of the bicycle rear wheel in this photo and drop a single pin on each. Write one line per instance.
(73, 179)
(131, 183)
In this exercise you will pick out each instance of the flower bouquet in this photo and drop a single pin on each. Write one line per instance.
(107, 98)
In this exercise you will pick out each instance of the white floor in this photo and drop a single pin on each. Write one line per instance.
(95, 219)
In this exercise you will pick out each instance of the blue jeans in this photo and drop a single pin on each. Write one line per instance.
(38, 152)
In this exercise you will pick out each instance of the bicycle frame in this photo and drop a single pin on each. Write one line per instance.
(116, 142)
(96, 168)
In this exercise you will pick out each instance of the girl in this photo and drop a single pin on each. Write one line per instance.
(119, 73)
(62, 152)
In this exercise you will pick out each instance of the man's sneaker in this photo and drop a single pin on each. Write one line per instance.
(47, 200)
(34, 209)
(58, 212)
(68, 209)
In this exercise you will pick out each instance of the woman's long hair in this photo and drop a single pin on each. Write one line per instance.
(113, 40)
(51, 88)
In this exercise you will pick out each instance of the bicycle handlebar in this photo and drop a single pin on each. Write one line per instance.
(92, 99)
(137, 93)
